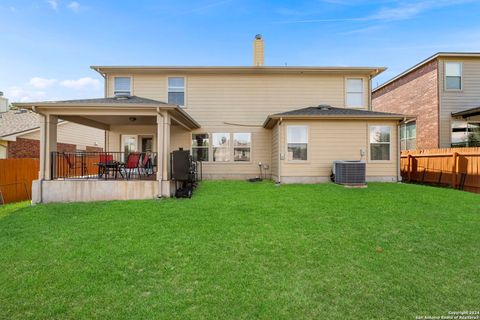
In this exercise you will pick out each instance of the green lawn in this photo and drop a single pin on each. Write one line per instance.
(244, 250)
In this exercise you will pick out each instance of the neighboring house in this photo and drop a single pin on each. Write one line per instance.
(294, 120)
(443, 92)
(20, 136)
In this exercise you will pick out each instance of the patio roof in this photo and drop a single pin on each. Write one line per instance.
(329, 112)
(467, 113)
(130, 103)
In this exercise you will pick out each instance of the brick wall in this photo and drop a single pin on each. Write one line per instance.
(414, 94)
(23, 148)
(28, 148)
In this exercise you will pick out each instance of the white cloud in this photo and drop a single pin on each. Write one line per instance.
(74, 6)
(18, 94)
(41, 83)
(81, 83)
(53, 4)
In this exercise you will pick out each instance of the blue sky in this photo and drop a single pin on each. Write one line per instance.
(47, 46)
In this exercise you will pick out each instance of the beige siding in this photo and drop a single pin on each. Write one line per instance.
(74, 133)
(116, 132)
(247, 99)
(3, 149)
(331, 140)
(454, 101)
(275, 152)
(241, 103)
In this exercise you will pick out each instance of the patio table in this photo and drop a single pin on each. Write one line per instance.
(104, 169)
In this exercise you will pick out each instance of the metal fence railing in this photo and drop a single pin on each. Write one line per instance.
(104, 165)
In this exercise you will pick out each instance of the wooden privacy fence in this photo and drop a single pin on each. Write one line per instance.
(455, 167)
(16, 176)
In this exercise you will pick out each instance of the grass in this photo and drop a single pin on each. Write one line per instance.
(242, 250)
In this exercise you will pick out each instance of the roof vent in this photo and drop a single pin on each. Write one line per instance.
(122, 97)
(324, 107)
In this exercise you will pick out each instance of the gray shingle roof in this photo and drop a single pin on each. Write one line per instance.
(467, 113)
(14, 121)
(326, 110)
(113, 100)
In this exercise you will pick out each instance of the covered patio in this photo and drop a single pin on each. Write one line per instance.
(135, 163)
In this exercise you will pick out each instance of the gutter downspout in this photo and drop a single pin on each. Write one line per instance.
(280, 149)
(399, 151)
(42, 169)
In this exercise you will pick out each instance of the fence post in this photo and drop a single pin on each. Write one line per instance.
(454, 169)
(409, 167)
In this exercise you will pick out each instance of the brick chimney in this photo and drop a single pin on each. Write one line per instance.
(258, 51)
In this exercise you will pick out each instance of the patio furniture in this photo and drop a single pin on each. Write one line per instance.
(146, 164)
(107, 166)
(133, 162)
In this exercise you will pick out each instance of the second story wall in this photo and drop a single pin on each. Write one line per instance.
(213, 99)
(415, 94)
(457, 100)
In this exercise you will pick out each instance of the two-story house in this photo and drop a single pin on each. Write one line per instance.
(443, 92)
(290, 122)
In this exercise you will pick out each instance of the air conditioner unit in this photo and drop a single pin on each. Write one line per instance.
(348, 172)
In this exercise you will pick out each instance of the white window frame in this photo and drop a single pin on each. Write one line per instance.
(230, 143)
(390, 153)
(403, 127)
(209, 138)
(347, 92)
(184, 89)
(308, 144)
(250, 147)
(122, 92)
(445, 76)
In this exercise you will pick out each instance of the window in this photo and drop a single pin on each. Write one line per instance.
(354, 92)
(176, 91)
(242, 143)
(297, 140)
(465, 134)
(408, 136)
(200, 145)
(453, 75)
(221, 147)
(122, 86)
(380, 143)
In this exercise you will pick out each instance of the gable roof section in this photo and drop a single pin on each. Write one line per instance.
(328, 112)
(424, 62)
(467, 113)
(114, 102)
(14, 121)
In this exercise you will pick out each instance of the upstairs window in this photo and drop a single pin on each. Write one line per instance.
(453, 75)
(354, 95)
(297, 142)
(122, 86)
(380, 143)
(408, 136)
(221, 147)
(242, 143)
(200, 145)
(176, 91)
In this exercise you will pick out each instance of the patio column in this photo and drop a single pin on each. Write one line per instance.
(48, 144)
(163, 149)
